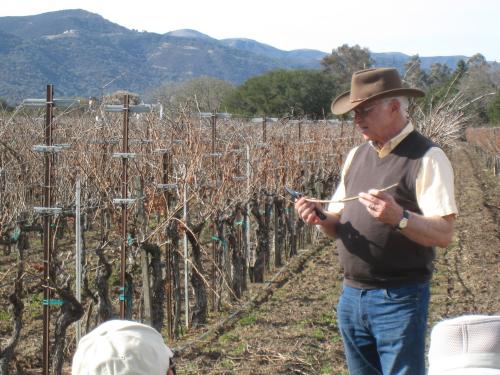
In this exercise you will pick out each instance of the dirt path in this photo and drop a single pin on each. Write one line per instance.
(293, 330)
(467, 277)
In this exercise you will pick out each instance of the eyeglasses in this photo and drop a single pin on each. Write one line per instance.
(363, 112)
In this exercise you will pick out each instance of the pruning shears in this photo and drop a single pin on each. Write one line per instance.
(297, 194)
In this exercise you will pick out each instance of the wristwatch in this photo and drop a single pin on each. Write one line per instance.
(404, 221)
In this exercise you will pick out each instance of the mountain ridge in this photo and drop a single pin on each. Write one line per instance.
(81, 52)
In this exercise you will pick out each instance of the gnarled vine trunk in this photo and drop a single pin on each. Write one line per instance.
(199, 311)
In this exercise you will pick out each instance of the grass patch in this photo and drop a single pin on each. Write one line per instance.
(191, 369)
(226, 364)
(35, 305)
(326, 369)
(228, 337)
(248, 320)
(239, 350)
(336, 339)
(328, 319)
(4, 316)
(305, 323)
(318, 334)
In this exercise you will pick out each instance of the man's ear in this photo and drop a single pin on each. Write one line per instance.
(395, 104)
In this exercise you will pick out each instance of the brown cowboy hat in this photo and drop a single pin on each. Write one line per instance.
(370, 84)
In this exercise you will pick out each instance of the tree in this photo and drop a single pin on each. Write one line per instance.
(344, 61)
(494, 109)
(476, 60)
(461, 68)
(202, 94)
(443, 83)
(284, 93)
(414, 75)
(471, 85)
(439, 74)
(477, 82)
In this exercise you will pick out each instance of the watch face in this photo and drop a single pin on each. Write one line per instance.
(403, 223)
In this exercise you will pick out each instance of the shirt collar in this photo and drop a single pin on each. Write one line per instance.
(396, 140)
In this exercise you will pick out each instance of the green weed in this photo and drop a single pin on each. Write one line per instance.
(228, 338)
(318, 334)
(238, 350)
(326, 369)
(248, 320)
(4, 316)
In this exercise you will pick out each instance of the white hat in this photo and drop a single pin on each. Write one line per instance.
(467, 345)
(122, 347)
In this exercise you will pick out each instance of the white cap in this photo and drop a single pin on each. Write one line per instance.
(121, 347)
(467, 345)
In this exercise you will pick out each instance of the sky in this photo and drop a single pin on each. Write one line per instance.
(424, 27)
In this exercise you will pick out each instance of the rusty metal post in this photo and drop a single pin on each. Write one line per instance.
(124, 191)
(47, 230)
(214, 229)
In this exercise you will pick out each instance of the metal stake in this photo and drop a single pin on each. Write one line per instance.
(124, 189)
(78, 267)
(186, 268)
(214, 233)
(47, 230)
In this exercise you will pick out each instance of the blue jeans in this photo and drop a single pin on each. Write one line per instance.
(383, 330)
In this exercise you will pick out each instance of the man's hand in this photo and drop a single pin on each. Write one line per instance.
(306, 211)
(425, 230)
(382, 206)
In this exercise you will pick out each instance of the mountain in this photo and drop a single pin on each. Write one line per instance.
(308, 58)
(82, 54)
(398, 60)
(188, 33)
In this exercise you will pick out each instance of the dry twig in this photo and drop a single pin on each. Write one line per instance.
(346, 199)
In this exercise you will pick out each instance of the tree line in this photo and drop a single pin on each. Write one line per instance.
(292, 93)
(300, 93)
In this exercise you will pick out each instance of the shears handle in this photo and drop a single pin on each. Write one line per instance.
(296, 195)
(320, 214)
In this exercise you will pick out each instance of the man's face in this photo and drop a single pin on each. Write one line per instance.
(372, 120)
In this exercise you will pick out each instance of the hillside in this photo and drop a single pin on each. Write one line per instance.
(81, 52)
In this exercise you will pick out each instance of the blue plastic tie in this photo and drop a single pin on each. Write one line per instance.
(56, 302)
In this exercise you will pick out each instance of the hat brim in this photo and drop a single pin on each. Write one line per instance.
(342, 104)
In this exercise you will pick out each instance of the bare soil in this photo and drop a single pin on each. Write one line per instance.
(291, 327)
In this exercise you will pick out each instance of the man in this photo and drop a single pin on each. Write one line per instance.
(386, 239)
(122, 347)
